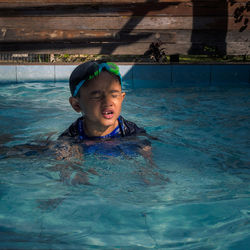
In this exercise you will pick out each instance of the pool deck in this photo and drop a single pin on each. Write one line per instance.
(139, 75)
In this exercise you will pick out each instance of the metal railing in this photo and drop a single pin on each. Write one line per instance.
(25, 58)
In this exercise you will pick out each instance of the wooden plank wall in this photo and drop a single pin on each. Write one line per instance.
(124, 27)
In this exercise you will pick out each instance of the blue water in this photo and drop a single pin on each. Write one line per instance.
(195, 195)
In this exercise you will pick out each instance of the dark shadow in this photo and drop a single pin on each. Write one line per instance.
(93, 9)
(209, 35)
(70, 44)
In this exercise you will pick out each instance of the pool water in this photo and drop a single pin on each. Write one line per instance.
(195, 195)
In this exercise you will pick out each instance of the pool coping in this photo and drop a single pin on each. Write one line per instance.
(138, 75)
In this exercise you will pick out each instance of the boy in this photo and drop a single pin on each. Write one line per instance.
(96, 89)
(96, 93)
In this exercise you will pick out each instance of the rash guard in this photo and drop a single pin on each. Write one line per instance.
(124, 128)
(121, 141)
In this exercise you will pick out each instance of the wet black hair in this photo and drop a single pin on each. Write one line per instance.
(82, 72)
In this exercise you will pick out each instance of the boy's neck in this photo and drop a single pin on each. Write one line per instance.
(92, 130)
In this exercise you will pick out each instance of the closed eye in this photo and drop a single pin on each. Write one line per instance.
(115, 93)
(96, 93)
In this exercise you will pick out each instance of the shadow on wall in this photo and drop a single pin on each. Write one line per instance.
(211, 41)
(188, 75)
(209, 35)
(107, 45)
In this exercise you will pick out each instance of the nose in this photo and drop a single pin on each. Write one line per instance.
(107, 100)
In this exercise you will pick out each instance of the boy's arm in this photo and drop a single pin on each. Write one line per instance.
(72, 154)
(67, 151)
(146, 152)
(146, 171)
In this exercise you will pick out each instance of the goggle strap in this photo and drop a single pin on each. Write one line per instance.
(78, 86)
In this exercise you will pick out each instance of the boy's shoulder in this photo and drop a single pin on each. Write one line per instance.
(72, 130)
(130, 128)
(127, 128)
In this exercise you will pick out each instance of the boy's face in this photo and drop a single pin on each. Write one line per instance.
(100, 100)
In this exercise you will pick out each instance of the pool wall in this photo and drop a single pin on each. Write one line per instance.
(138, 76)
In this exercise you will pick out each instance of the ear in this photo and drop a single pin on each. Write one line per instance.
(123, 95)
(74, 102)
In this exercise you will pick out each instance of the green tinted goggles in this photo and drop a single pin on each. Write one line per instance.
(95, 70)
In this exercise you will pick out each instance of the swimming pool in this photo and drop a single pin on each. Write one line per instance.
(195, 197)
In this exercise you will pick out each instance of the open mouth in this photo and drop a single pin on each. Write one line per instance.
(108, 114)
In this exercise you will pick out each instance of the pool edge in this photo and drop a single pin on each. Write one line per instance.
(139, 75)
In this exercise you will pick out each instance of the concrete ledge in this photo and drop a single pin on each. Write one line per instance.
(230, 74)
(8, 73)
(191, 75)
(26, 73)
(151, 76)
(138, 76)
(62, 72)
(127, 75)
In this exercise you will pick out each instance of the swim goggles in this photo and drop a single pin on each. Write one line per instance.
(109, 66)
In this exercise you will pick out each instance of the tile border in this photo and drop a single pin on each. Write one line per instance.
(139, 75)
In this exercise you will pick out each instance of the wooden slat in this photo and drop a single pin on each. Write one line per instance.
(135, 9)
(125, 23)
(88, 36)
(14, 3)
(114, 2)
(122, 27)
(121, 48)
